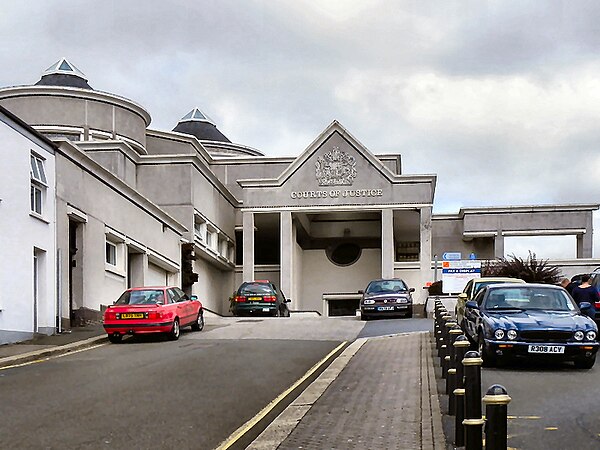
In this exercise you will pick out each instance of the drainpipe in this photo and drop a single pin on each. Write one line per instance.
(58, 290)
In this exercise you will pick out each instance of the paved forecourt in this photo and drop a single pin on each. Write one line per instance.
(382, 396)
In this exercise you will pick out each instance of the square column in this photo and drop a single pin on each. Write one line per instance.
(584, 245)
(585, 242)
(248, 243)
(425, 245)
(499, 245)
(387, 243)
(286, 253)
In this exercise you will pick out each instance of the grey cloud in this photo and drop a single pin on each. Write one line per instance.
(278, 65)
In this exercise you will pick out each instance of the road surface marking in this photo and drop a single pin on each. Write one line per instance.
(52, 357)
(267, 409)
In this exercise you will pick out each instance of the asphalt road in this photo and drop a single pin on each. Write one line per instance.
(154, 393)
(383, 327)
(149, 392)
(554, 406)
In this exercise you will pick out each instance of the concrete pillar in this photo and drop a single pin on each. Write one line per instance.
(138, 263)
(585, 241)
(499, 245)
(248, 250)
(425, 248)
(387, 243)
(286, 253)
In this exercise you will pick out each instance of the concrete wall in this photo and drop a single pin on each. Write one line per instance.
(319, 276)
(253, 168)
(90, 111)
(411, 274)
(521, 220)
(447, 236)
(22, 234)
(214, 287)
(117, 163)
(156, 145)
(106, 205)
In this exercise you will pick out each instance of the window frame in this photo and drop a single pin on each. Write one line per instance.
(38, 184)
(114, 246)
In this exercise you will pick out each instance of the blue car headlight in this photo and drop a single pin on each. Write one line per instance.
(578, 335)
(512, 334)
(590, 335)
(369, 302)
(499, 334)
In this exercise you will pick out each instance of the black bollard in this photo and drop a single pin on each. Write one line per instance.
(496, 401)
(451, 377)
(445, 359)
(442, 334)
(461, 346)
(436, 331)
(473, 421)
(445, 348)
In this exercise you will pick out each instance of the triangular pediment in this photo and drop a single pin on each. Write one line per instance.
(334, 158)
(337, 170)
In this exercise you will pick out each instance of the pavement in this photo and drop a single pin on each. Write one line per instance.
(379, 393)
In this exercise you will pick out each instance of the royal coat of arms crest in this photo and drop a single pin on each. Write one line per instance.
(335, 168)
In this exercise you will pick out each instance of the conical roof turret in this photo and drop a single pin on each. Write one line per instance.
(63, 73)
(200, 125)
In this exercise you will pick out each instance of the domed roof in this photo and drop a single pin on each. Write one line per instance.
(63, 73)
(200, 125)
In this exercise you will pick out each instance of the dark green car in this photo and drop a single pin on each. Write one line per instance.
(259, 297)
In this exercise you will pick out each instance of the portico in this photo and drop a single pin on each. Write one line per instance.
(340, 217)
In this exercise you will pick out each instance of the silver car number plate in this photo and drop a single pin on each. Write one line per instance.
(546, 349)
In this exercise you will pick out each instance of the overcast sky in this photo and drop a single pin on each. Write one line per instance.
(500, 99)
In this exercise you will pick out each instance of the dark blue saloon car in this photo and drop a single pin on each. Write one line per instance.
(530, 321)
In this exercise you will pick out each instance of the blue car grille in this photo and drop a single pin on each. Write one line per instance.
(546, 335)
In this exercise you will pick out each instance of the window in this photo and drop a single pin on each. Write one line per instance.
(37, 170)
(36, 199)
(222, 246)
(200, 229)
(407, 251)
(344, 254)
(231, 252)
(111, 253)
(39, 184)
(212, 239)
(180, 294)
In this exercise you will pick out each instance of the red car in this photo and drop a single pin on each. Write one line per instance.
(144, 310)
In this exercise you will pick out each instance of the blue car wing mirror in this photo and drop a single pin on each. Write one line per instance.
(472, 305)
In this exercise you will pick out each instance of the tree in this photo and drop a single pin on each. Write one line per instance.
(531, 270)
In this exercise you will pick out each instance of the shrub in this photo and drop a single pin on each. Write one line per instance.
(530, 270)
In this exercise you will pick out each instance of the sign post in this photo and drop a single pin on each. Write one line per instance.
(456, 274)
(452, 256)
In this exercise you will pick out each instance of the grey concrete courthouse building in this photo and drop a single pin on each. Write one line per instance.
(131, 202)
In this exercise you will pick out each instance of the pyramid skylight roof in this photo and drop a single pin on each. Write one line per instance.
(196, 115)
(64, 67)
